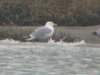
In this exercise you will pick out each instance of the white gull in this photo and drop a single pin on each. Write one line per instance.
(42, 33)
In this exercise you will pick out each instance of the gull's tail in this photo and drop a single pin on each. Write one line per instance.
(28, 38)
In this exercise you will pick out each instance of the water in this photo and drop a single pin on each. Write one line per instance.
(20, 58)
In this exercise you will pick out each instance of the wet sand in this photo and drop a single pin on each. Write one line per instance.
(84, 33)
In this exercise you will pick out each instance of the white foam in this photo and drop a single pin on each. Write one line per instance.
(78, 43)
(51, 41)
(9, 41)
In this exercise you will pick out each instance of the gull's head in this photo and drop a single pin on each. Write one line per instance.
(97, 33)
(49, 24)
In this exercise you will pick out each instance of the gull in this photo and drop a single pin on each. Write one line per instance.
(42, 33)
(97, 33)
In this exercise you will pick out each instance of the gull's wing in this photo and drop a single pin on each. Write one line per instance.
(41, 32)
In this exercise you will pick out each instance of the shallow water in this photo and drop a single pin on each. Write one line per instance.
(17, 58)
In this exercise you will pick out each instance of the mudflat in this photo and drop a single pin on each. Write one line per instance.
(85, 33)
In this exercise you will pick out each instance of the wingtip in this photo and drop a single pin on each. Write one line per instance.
(29, 39)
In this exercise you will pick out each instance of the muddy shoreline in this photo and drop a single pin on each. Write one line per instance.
(17, 32)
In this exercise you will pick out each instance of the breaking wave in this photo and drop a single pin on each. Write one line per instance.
(11, 41)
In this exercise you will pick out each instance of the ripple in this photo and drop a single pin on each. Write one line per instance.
(21, 58)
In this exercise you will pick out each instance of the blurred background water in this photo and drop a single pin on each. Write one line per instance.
(20, 58)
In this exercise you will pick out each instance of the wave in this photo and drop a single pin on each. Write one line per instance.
(65, 43)
(11, 41)
(51, 41)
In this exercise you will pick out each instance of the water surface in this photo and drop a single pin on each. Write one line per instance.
(17, 58)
